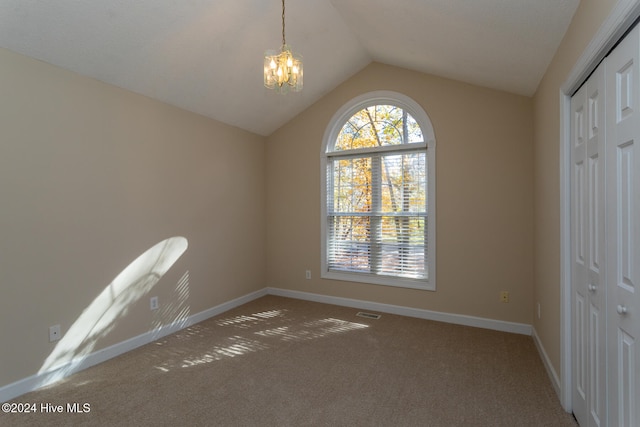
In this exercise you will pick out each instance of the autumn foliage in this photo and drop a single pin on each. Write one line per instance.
(377, 195)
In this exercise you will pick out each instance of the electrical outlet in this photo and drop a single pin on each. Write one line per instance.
(538, 310)
(54, 333)
(153, 303)
(308, 274)
(504, 296)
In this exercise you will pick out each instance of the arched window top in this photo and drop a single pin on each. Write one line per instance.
(378, 119)
(378, 126)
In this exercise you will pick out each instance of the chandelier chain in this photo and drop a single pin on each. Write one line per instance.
(283, 40)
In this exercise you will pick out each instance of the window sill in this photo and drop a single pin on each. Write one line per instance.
(373, 279)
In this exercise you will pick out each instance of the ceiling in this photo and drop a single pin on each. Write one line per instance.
(206, 55)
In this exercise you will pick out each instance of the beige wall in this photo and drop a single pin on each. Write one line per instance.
(585, 24)
(91, 177)
(484, 197)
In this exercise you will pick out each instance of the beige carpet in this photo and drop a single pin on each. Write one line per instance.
(283, 362)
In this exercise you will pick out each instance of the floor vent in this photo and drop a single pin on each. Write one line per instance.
(368, 315)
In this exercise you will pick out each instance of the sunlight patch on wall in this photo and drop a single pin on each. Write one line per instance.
(176, 312)
(117, 298)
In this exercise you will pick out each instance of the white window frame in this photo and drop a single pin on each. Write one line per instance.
(329, 139)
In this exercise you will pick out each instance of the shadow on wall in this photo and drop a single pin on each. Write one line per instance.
(101, 316)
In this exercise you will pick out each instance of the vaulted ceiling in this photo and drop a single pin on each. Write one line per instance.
(206, 55)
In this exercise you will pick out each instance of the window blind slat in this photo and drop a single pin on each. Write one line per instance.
(377, 214)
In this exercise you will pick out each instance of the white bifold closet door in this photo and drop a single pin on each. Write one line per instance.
(623, 230)
(605, 237)
(588, 284)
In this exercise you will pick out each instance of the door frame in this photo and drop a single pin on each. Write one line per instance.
(621, 18)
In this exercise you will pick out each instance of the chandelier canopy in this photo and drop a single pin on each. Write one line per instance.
(283, 69)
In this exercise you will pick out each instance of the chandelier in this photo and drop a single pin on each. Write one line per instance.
(283, 70)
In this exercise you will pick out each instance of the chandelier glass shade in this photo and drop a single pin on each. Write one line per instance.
(283, 70)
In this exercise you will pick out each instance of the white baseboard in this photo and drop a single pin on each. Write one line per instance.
(553, 376)
(458, 319)
(34, 382)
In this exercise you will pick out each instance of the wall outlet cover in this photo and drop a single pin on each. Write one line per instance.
(54, 333)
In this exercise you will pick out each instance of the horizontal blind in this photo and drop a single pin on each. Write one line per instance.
(377, 214)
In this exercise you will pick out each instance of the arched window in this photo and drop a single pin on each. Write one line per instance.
(378, 198)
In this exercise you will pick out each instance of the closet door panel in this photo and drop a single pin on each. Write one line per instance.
(596, 289)
(579, 296)
(588, 291)
(623, 230)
